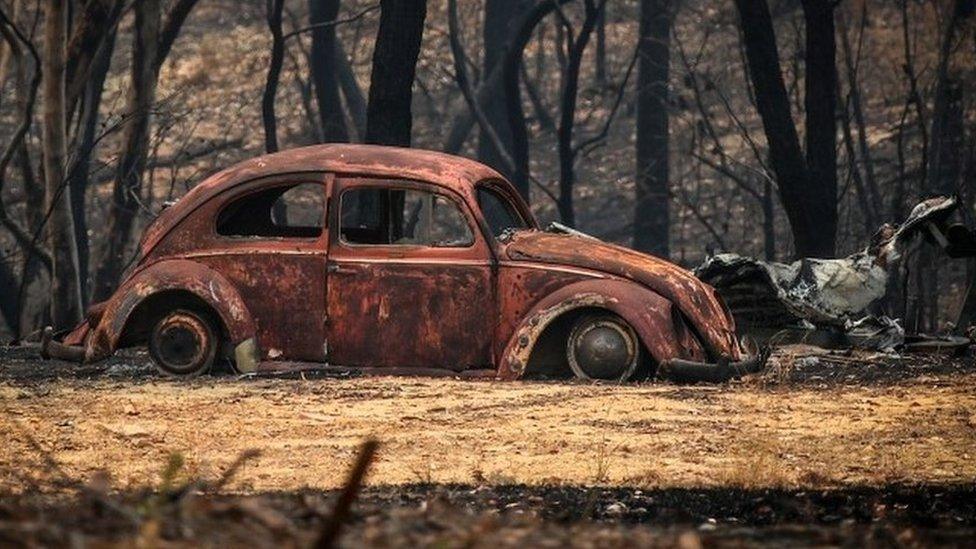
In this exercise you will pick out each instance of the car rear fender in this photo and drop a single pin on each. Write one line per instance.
(180, 275)
(657, 322)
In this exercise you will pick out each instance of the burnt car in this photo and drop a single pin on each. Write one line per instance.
(397, 261)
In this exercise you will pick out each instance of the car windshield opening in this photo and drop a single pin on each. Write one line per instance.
(498, 212)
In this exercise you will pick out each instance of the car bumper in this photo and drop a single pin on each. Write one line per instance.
(51, 348)
(689, 371)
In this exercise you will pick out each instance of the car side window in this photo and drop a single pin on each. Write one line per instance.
(286, 211)
(384, 216)
(498, 212)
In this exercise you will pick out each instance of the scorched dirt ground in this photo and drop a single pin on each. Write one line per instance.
(820, 449)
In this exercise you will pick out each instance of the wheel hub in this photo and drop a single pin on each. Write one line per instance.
(180, 343)
(602, 349)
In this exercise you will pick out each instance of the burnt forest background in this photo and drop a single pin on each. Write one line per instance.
(772, 128)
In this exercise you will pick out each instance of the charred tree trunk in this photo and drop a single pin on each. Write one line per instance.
(600, 59)
(351, 92)
(945, 162)
(769, 222)
(389, 118)
(66, 307)
(820, 104)
(567, 112)
(809, 203)
(79, 176)
(499, 18)
(511, 70)
(135, 138)
(9, 304)
(947, 117)
(171, 28)
(323, 65)
(152, 42)
(651, 212)
(6, 50)
(92, 26)
(851, 64)
(275, 8)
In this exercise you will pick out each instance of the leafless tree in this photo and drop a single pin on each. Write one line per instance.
(66, 301)
(389, 118)
(323, 65)
(152, 41)
(807, 183)
(651, 200)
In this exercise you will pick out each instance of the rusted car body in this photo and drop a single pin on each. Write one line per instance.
(442, 268)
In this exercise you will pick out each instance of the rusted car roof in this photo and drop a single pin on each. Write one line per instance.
(442, 169)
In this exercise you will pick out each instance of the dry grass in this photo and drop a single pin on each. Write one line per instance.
(501, 433)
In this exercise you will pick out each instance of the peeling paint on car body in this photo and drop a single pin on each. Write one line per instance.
(467, 309)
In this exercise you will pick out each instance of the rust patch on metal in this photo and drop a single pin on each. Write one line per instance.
(649, 314)
(195, 279)
(696, 300)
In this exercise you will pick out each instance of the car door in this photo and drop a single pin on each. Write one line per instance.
(410, 278)
(270, 240)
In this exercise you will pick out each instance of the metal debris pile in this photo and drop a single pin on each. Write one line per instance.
(834, 302)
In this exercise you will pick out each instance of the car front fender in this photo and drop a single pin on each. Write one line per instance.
(653, 317)
(170, 275)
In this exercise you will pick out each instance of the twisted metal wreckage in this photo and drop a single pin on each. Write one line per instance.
(392, 260)
(833, 300)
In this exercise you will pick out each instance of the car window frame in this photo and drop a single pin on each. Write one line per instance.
(360, 182)
(283, 180)
(514, 209)
(510, 195)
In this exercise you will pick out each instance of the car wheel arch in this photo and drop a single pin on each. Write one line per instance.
(147, 293)
(153, 307)
(647, 312)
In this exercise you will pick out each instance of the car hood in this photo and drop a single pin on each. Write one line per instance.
(698, 301)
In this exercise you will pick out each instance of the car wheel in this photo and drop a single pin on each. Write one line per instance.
(602, 347)
(183, 343)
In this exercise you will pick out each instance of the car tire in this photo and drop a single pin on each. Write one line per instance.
(183, 343)
(603, 347)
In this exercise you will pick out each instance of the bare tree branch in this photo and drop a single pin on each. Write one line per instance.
(13, 35)
(333, 23)
(461, 74)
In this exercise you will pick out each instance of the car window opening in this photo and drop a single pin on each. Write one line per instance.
(402, 217)
(498, 212)
(290, 211)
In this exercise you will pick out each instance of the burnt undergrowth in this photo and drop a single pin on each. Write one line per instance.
(509, 514)
(23, 366)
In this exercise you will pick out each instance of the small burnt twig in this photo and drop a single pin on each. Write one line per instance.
(333, 525)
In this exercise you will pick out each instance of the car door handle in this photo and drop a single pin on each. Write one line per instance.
(334, 268)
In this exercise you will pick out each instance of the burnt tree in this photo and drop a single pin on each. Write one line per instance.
(389, 118)
(510, 76)
(500, 15)
(66, 302)
(807, 183)
(135, 138)
(944, 168)
(567, 108)
(947, 132)
(820, 105)
(89, 58)
(351, 92)
(268, 118)
(152, 41)
(324, 69)
(651, 200)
